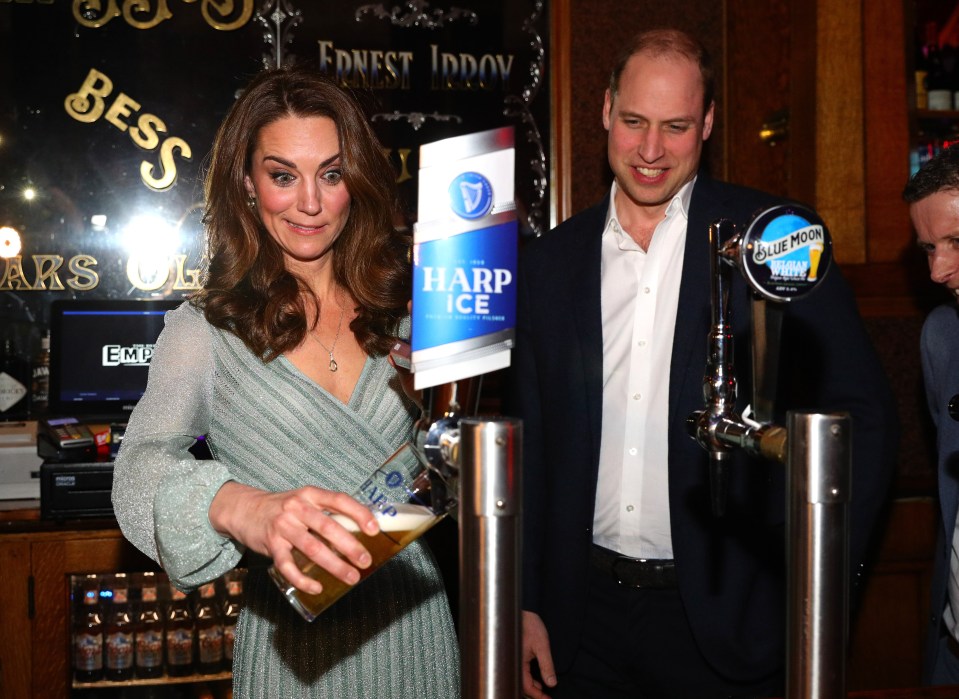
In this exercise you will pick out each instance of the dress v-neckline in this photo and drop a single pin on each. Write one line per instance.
(348, 403)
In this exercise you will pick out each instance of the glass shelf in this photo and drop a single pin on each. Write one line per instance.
(163, 679)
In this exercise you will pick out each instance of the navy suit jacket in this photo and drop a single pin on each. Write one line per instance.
(940, 368)
(732, 569)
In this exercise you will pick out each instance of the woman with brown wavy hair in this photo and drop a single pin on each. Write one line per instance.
(281, 362)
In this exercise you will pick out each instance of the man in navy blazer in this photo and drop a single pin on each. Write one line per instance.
(933, 197)
(631, 587)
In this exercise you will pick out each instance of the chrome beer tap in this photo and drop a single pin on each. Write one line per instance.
(717, 428)
(437, 432)
(783, 254)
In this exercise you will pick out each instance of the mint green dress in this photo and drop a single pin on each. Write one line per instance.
(271, 427)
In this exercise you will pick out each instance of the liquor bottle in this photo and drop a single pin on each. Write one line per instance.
(921, 73)
(40, 384)
(209, 632)
(14, 380)
(179, 635)
(938, 89)
(950, 63)
(88, 633)
(118, 633)
(149, 631)
(231, 612)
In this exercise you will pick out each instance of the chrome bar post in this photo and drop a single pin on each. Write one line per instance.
(818, 494)
(489, 519)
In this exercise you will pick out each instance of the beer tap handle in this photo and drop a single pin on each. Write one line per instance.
(718, 481)
(437, 432)
(719, 385)
(766, 330)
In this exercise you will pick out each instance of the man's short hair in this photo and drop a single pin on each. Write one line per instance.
(939, 173)
(663, 42)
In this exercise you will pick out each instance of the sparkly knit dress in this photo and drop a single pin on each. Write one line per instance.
(269, 426)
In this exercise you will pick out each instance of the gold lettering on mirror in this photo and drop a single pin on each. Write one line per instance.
(167, 167)
(181, 283)
(172, 272)
(13, 278)
(391, 70)
(84, 277)
(225, 8)
(464, 71)
(142, 7)
(80, 106)
(183, 279)
(46, 269)
(92, 13)
(404, 156)
(363, 68)
(89, 103)
(146, 14)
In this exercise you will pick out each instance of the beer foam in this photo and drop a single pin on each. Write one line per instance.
(408, 517)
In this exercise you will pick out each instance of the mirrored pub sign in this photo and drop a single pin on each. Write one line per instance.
(108, 110)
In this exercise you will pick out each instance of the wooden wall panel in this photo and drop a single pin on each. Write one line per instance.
(757, 68)
(51, 642)
(15, 665)
(887, 638)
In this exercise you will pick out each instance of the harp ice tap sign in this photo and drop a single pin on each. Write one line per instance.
(464, 258)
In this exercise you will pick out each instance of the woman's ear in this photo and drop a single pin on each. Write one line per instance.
(248, 183)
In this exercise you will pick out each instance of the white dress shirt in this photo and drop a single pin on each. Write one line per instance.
(640, 295)
(951, 611)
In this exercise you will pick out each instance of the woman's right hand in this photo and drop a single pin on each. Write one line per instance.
(273, 524)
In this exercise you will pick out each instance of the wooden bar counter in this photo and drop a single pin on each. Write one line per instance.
(37, 557)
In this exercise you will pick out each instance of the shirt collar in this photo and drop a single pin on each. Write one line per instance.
(679, 204)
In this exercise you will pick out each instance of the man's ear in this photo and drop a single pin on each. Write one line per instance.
(708, 121)
(607, 108)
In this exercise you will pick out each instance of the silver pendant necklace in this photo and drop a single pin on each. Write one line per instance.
(333, 364)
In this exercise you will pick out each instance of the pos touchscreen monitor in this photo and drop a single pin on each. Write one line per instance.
(100, 353)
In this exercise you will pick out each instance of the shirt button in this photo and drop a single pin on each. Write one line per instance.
(641, 343)
(645, 289)
(632, 451)
(637, 396)
(629, 508)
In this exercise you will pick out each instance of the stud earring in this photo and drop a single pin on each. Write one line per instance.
(251, 202)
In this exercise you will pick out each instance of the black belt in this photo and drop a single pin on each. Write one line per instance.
(649, 573)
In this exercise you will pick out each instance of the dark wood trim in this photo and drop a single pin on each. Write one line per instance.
(839, 147)
(801, 163)
(886, 121)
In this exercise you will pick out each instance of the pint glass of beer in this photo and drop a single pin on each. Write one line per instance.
(402, 495)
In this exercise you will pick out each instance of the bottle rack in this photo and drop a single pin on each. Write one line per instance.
(228, 595)
(934, 68)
